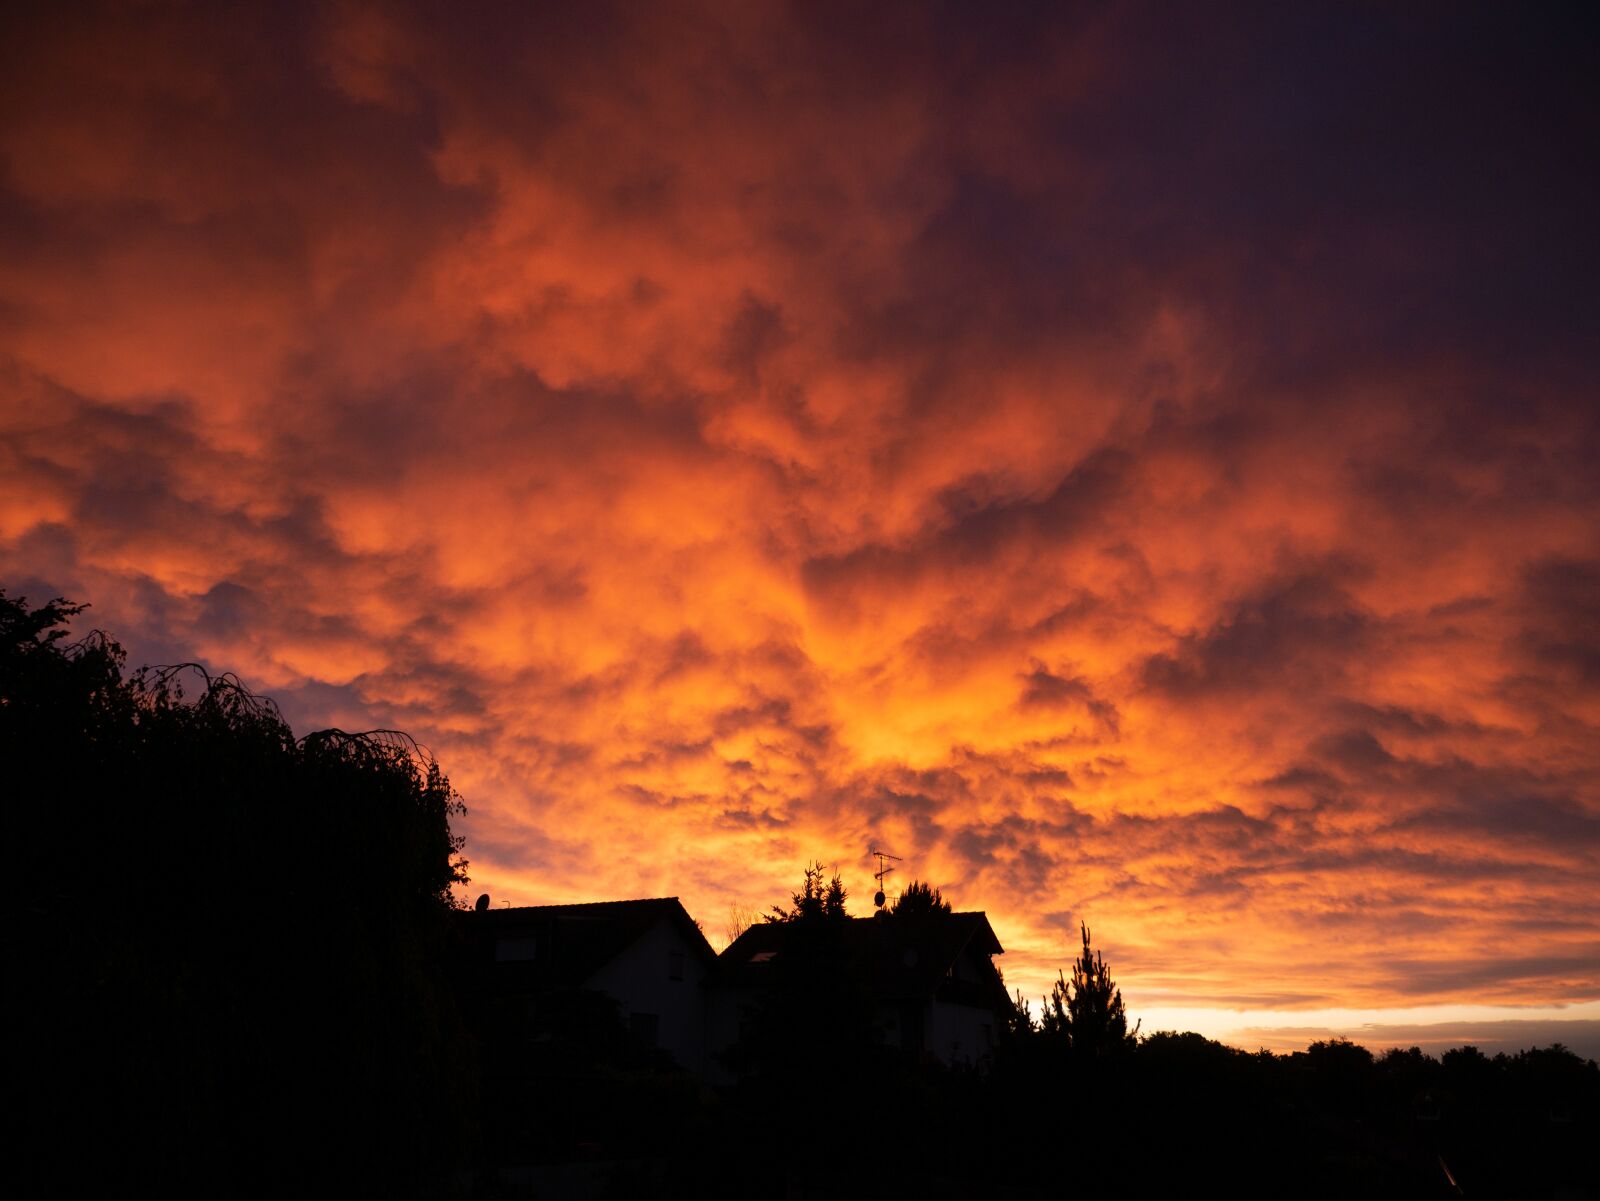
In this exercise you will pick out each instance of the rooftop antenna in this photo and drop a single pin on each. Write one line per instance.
(883, 870)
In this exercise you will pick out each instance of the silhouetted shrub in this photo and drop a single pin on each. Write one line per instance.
(919, 900)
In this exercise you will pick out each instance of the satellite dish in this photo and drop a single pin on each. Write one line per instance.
(877, 898)
(482, 905)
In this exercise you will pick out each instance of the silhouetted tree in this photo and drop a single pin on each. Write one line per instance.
(235, 938)
(818, 898)
(1087, 1015)
(740, 918)
(920, 900)
(1019, 1022)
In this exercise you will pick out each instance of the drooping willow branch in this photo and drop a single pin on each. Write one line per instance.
(166, 680)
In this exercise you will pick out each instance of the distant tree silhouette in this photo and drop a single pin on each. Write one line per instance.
(920, 900)
(1087, 1015)
(818, 899)
(235, 938)
(740, 918)
(1469, 1075)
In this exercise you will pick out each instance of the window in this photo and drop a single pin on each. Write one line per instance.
(515, 948)
(674, 965)
(646, 1027)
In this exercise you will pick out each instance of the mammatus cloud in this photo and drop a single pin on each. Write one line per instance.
(1139, 470)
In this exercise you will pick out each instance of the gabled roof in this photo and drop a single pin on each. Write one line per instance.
(900, 958)
(568, 944)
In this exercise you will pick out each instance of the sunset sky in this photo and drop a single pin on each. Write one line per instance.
(1138, 463)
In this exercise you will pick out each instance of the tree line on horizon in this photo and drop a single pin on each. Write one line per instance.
(1156, 1114)
(242, 970)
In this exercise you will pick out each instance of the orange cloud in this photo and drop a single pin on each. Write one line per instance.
(1097, 459)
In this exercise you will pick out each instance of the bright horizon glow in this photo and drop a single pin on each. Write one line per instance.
(1451, 1025)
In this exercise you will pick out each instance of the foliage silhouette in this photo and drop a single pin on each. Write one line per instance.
(740, 918)
(237, 939)
(919, 900)
(1087, 1015)
(1019, 1022)
(817, 899)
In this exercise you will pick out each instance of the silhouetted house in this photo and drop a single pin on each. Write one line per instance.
(648, 956)
(931, 980)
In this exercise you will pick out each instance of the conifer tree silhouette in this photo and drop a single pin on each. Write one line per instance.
(1087, 1013)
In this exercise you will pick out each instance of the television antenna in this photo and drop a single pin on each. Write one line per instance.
(883, 870)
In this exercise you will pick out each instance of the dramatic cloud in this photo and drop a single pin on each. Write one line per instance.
(1138, 469)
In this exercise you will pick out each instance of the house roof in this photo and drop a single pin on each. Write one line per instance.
(567, 944)
(900, 958)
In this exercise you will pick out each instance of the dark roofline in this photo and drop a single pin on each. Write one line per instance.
(584, 905)
(983, 917)
(670, 907)
(944, 937)
(981, 925)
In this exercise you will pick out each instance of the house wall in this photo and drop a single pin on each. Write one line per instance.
(724, 1012)
(952, 1033)
(960, 1033)
(964, 1033)
(640, 980)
